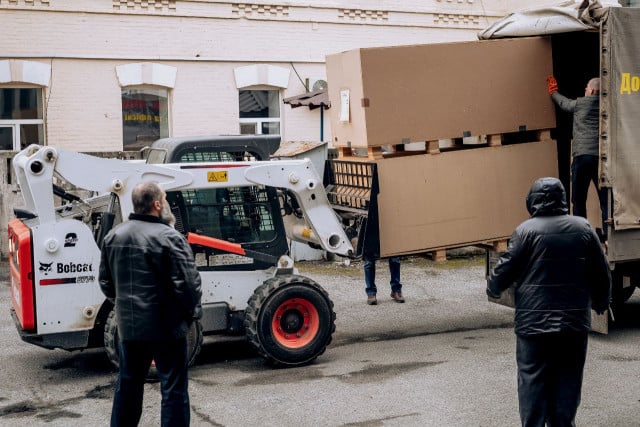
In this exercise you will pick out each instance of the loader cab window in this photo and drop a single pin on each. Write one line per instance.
(215, 156)
(236, 214)
(145, 116)
(259, 112)
(21, 118)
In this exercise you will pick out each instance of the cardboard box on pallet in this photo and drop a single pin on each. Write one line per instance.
(453, 199)
(393, 95)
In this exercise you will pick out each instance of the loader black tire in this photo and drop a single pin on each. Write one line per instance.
(290, 320)
(111, 339)
(194, 340)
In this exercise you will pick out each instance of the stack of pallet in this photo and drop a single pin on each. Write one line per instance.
(448, 193)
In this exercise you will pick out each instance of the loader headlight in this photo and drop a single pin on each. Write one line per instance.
(51, 245)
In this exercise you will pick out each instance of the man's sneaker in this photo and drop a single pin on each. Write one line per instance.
(397, 296)
(372, 300)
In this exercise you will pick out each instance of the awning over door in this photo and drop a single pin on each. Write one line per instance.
(313, 100)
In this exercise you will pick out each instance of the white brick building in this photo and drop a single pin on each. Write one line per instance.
(103, 75)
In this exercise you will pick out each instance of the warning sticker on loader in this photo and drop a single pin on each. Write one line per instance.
(220, 176)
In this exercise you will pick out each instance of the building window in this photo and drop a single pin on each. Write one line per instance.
(259, 112)
(145, 116)
(21, 118)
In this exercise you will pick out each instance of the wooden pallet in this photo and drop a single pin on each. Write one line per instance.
(434, 147)
(440, 255)
(528, 136)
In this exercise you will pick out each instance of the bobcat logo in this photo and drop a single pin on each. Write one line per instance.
(45, 268)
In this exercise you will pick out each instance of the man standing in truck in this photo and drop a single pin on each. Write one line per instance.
(148, 272)
(585, 146)
(560, 272)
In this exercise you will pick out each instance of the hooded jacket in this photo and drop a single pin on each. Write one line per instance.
(557, 265)
(147, 270)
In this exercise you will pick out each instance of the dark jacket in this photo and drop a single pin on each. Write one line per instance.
(557, 265)
(586, 112)
(147, 270)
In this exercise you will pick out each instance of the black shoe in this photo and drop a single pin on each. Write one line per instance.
(397, 296)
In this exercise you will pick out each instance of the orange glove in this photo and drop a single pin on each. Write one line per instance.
(552, 85)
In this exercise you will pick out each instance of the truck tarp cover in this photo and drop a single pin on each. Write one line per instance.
(565, 17)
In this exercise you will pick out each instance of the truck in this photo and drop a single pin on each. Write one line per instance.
(237, 210)
(606, 36)
(487, 129)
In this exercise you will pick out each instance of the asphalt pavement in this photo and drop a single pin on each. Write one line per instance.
(444, 358)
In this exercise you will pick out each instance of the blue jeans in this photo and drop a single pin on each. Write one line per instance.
(370, 275)
(170, 357)
(584, 171)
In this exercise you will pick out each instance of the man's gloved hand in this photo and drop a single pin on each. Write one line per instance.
(552, 85)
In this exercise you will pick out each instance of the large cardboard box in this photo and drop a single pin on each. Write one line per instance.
(458, 198)
(393, 95)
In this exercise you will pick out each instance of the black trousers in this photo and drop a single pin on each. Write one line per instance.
(584, 171)
(170, 357)
(550, 368)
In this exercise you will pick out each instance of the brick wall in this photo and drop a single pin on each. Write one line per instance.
(205, 40)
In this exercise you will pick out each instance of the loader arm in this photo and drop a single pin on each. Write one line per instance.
(35, 167)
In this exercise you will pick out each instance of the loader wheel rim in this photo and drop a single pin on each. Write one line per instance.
(295, 323)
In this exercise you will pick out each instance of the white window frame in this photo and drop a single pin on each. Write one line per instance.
(259, 120)
(149, 75)
(15, 124)
(21, 74)
(262, 77)
(148, 89)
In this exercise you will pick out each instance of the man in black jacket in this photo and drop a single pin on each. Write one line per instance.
(560, 272)
(148, 272)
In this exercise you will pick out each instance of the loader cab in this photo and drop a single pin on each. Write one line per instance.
(213, 148)
(249, 216)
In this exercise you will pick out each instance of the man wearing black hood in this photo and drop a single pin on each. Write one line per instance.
(560, 272)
